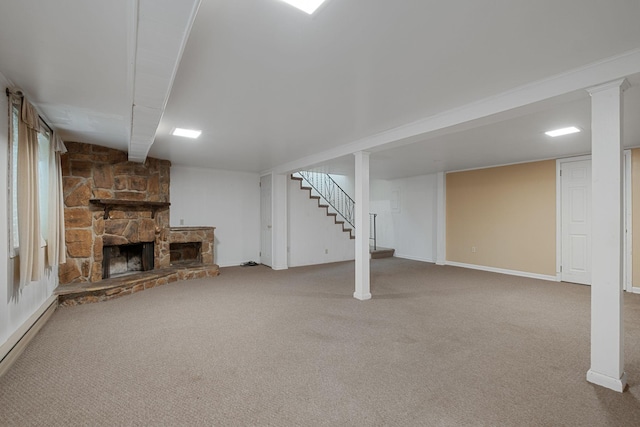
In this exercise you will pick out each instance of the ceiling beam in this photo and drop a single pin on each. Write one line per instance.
(578, 79)
(162, 28)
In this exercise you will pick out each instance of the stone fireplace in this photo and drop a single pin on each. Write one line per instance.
(117, 225)
(110, 201)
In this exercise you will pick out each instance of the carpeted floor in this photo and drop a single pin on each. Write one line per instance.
(437, 346)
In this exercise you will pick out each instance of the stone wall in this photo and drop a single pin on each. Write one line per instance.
(95, 172)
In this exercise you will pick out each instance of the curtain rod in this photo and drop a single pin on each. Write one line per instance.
(19, 94)
(16, 92)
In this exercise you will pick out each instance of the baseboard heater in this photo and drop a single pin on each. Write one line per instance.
(18, 341)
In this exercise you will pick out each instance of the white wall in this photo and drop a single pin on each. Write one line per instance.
(229, 201)
(16, 305)
(406, 218)
(314, 238)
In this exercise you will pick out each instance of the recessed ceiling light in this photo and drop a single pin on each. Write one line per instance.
(187, 133)
(308, 6)
(563, 131)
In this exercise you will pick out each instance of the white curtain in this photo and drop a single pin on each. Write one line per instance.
(56, 248)
(31, 263)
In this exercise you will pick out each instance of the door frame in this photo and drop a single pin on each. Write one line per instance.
(264, 224)
(627, 265)
(628, 223)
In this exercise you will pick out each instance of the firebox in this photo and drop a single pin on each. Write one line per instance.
(189, 252)
(121, 260)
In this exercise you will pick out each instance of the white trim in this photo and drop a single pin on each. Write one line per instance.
(235, 264)
(362, 297)
(614, 384)
(559, 163)
(17, 342)
(132, 52)
(558, 219)
(548, 277)
(440, 253)
(544, 159)
(620, 84)
(415, 258)
(279, 221)
(634, 290)
(628, 222)
(574, 158)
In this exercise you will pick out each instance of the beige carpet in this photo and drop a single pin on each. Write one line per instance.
(437, 346)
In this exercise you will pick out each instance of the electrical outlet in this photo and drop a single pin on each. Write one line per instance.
(473, 249)
(326, 251)
(181, 221)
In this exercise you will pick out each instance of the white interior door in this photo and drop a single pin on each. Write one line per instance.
(576, 221)
(265, 220)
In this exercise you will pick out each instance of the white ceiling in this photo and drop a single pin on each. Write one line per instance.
(71, 58)
(513, 137)
(272, 86)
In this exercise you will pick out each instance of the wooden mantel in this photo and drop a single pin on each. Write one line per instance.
(109, 204)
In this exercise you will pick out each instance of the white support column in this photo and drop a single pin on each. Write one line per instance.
(280, 231)
(441, 219)
(607, 346)
(363, 279)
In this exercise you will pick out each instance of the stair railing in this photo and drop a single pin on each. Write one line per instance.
(339, 200)
(372, 230)
(335, 196)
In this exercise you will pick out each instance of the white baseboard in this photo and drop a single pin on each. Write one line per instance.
(362, 297)
(230, 264)
(234, 264)
(634, 290)
(413, 258)
(616, 384)
(504, 271)
(17, 342)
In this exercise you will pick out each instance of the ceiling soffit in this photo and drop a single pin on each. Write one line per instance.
(163, 27)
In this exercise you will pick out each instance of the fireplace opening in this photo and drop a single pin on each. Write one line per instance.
(185, 253)
(122, 260)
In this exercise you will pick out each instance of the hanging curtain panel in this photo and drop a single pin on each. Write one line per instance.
(31, 263)
(56, 248)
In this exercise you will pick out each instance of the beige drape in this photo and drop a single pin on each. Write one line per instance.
(56, 248)
(31, 263)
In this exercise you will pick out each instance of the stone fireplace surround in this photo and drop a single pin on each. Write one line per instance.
(95, 175)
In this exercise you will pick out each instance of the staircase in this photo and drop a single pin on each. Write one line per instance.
(338, 205)
(323, 204)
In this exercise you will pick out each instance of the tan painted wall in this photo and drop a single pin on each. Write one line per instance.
(635, 221)
(507, 213)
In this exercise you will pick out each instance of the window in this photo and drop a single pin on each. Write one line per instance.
(44, 146)
(13, 173)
